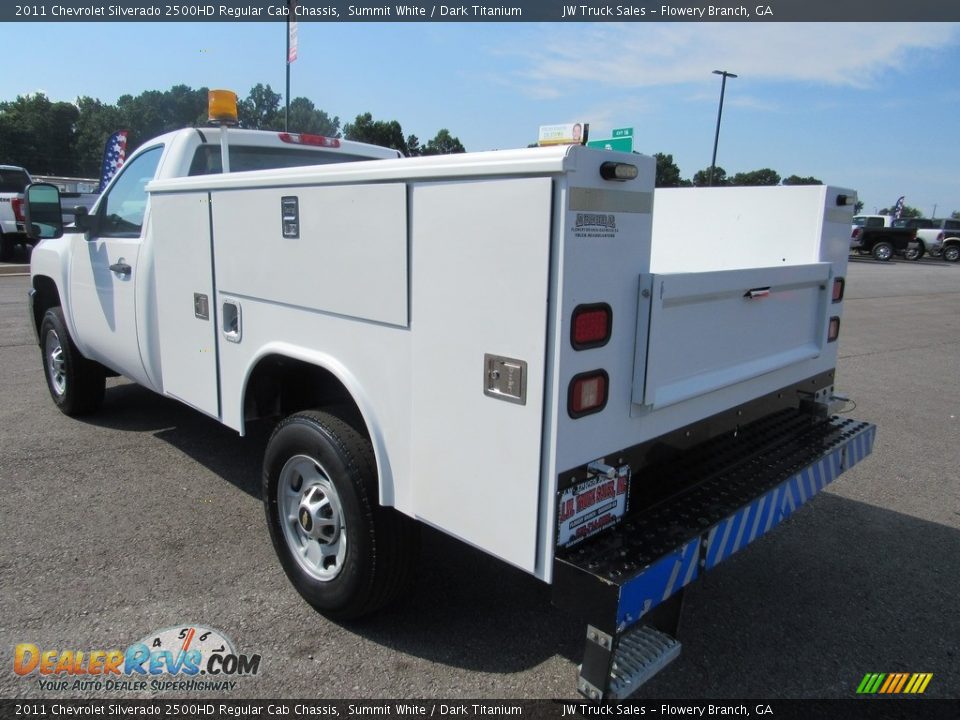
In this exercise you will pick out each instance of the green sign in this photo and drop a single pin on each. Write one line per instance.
(622, 141)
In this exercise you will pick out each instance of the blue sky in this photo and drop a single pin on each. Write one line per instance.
(875, 107)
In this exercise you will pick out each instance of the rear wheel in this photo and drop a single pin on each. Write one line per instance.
(76, 384)
(914, 253)
(346, 554)
(882, 251)
(951, 253)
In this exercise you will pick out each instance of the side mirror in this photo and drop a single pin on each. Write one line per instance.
(43, 216)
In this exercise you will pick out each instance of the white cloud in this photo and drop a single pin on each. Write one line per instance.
(644, 54)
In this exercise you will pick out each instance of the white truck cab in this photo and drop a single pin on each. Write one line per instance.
(520, 348)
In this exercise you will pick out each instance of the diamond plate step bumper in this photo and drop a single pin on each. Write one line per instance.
(734, 489)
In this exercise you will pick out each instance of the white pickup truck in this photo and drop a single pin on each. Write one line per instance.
(13, 181)
(520, 348)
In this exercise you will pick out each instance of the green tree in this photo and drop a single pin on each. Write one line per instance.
(764, 176)
(668, 173)
(261, 109)
(797, 180)
(306, 118)
(701, 177)
(858, 207)
(376, 132)
(95, 124)
(955, 215)
(413, 146)
(443, 143)
(38, 134)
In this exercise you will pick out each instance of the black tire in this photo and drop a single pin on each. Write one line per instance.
(314, 449)
(914, 253)
(882, 251)
(951, 253)
(8, 248)
(76, 384)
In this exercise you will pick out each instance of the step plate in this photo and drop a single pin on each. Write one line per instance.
(641, 653)
(737, 489)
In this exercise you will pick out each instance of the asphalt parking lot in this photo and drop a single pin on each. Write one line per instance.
(147, 515)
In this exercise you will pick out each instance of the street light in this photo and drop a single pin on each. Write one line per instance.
(716, 137)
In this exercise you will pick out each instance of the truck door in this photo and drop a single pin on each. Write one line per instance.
(103, 271)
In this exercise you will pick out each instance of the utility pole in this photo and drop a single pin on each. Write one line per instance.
(716, 137)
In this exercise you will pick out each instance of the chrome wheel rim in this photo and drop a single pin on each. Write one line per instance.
(883, 253)
(56, 363)
(312, 518)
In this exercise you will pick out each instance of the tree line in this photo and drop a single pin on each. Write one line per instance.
(668, 175)
(67, 138)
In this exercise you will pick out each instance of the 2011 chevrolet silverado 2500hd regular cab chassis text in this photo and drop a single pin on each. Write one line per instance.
(519, 348)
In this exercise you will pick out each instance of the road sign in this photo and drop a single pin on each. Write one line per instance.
(622, 141)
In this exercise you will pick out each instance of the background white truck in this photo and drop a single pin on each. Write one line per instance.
(520, 348)
(13, 181)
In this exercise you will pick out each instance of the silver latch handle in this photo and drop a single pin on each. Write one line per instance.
(599, 468)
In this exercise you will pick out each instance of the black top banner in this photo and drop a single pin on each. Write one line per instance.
(576, 709)
(488, 11)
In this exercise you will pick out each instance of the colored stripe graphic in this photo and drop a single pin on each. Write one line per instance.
(894, 683)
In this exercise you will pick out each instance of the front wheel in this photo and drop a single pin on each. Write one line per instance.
(346, 554)
(951, 253)
(76, 384)
(882, 251)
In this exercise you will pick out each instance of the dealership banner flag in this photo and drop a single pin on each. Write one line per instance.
(292, 32)
(114, 153)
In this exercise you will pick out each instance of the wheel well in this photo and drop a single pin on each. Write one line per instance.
(47, 296)
(280, 386)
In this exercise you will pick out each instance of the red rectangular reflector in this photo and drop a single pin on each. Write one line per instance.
(588, 393)
(591, 326)
(838, 285)
(833, 332)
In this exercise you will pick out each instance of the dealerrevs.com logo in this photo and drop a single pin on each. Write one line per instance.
(181, 658)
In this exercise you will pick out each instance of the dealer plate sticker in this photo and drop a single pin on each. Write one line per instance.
(591, 506)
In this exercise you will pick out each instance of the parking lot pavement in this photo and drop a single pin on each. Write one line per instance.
(147, 515)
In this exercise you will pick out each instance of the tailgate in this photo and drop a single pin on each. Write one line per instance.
(709, 330)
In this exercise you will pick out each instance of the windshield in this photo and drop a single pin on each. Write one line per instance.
(13, 181)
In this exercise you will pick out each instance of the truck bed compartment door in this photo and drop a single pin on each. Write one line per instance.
(480, 262)
(713, 329)
(186, 312)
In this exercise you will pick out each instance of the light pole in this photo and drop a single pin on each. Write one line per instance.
(716, 137)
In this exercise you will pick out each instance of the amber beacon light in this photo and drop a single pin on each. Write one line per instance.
(222, 107)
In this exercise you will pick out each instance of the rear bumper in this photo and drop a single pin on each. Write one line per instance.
(730, 491)
(744, 486)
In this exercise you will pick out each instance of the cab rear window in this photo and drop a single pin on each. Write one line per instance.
(206, 160)
(13, 181)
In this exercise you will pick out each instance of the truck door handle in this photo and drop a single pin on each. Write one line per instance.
(121, 268)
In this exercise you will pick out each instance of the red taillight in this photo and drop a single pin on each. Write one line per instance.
(588, 393)
(17, 204)
(838, 285)
(304, 139)
(591, 326)
(940, 237)
(856, 233)
(833, 332)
